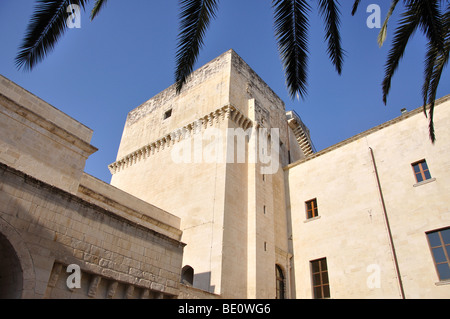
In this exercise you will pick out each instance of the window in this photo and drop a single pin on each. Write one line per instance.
(440, 249)
(311, 209)
(319, 272)
(167, 114)
(421, 171)
(280, 283)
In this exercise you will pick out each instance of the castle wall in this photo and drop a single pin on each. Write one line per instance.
(206, 91)
(50, 229)
(233, 218)
(266, 217)
(40, 139)
(171, 171)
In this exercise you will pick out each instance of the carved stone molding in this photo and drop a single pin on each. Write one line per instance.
(228, 112)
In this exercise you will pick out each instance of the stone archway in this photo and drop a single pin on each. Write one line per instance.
(17, 278)
(187, 275)
(11, 275)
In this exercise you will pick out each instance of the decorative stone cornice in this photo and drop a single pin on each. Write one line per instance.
(195, 127)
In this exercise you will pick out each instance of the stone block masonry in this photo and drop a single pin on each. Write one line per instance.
(50, 229)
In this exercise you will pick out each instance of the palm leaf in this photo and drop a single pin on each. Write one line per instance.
(441, 61)
(430, 63)
(330, 11)
(98, 6)
(407, 27)
(383, 31)
(291, 31)
(195, 18)
(355, 6)
(45, 28)
(431, 22)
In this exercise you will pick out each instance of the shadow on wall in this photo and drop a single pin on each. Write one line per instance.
(203, 281)
(11, 274)
(28, 248)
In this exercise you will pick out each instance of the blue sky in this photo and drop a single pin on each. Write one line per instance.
(108, 67)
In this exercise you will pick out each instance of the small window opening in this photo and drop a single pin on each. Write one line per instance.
(167, 114)
(311, 209)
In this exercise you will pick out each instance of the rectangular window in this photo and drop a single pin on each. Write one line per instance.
(311, 209)
(421, 171)
(440, 250)
(319, 272)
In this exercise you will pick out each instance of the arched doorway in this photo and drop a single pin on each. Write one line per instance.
(187, 275)
(11, 275)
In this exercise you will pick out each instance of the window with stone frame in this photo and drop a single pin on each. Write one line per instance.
(311, 209)
(421, 171)
(281, 284)
(439, 242)
(320, 282)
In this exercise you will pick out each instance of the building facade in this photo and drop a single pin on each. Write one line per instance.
(217, 192)
(378, 201)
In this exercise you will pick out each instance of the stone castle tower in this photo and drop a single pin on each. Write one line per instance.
(188, 154)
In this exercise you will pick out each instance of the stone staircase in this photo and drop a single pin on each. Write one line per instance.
(301, 133)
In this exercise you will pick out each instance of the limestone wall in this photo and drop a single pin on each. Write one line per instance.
(53, 215)
(40, 140)
(50, 229)
(233, 218)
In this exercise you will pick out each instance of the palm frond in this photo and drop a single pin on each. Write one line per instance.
(430, 63)
(45, 28)
(431, 22)
(195, 18)
(383, 30)
(291, 31)
(441, 61)
(98, 6)
(330, 11)
(355, 6)
(407, 27)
